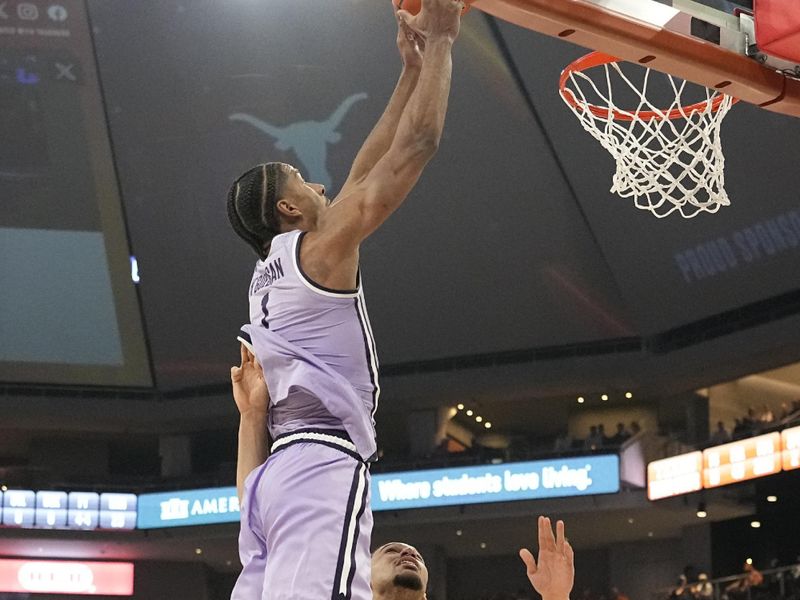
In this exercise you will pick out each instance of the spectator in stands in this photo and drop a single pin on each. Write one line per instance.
(785, 411)
(636, 429)
(739, 429)
(750, 421)
(594, 441)
(739, 589)
(702, 590)
(621, 436)
(721, 435)
(766, 417)
(601, 433)
(681, 592)
(793, 580)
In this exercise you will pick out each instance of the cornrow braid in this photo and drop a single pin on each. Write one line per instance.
(251, 206)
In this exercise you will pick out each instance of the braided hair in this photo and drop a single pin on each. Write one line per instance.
(251, 206)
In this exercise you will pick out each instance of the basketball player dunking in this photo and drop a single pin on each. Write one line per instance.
(398, 570)
(308, 538)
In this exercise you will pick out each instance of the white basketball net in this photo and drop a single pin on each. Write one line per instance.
(665, 164)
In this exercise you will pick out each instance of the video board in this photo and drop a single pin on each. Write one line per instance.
(735, 462)
(69, 311)
(26, 509)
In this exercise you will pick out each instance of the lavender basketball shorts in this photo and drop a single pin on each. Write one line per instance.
(306, 522)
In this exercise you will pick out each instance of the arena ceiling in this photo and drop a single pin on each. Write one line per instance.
(510, 264)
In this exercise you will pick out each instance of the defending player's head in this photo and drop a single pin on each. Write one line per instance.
(398, 572)
(270, 199)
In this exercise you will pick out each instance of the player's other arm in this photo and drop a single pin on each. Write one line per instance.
(362, 208)
(252, 399)
(377, 143)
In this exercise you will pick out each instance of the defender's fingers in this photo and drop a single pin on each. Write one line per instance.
(251, 357)
(551, 539)
(560, 538)
(569, 553)
(542, 534)
(243, 352)
(530, 562)
(546, 539)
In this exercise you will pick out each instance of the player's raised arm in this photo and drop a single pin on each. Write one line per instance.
(410, 45)
(362, 208)
(252, 399)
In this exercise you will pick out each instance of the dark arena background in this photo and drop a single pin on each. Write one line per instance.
(545, 347)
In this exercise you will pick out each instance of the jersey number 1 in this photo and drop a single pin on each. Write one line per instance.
(264, 308)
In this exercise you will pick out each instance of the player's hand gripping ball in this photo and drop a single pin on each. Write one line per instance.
(414, 6)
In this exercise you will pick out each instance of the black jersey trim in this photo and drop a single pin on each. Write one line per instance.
(311, 282)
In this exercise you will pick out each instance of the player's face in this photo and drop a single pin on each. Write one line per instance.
(398, 565)
(310, 197)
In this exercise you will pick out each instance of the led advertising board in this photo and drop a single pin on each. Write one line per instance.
(414, 489)
(730, 463)
(790, 442)
(188, 507)
(742, 460)
(27, 509)
(587, 475)
(66, 577)
(676, 475)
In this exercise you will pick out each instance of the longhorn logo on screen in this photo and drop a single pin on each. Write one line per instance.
(307, 139)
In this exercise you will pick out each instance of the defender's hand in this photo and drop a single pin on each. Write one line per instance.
(436, 19)
(554, 574)
(249, 388)
(410, 44)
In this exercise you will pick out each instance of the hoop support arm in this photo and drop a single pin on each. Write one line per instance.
(590, 25)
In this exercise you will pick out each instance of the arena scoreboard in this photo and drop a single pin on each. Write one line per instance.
(27, 509)
(735, 462)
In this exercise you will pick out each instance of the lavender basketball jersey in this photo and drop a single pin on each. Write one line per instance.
(330, 325)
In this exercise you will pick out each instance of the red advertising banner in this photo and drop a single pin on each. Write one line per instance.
(742, 460)
(791, 448)
(66, 577)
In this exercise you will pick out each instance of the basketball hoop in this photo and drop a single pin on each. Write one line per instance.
(666, 159)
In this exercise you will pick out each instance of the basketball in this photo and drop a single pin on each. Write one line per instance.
(413, 6)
